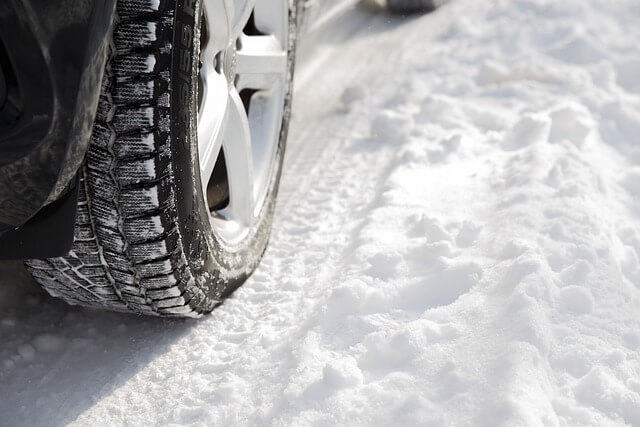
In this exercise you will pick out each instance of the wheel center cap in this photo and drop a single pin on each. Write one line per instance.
(230, 67)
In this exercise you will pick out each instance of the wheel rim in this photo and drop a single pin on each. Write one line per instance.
(242, 90)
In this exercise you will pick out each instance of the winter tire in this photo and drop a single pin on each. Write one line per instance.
(178, 189)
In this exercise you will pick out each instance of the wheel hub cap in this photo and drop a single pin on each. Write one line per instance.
(230, 62)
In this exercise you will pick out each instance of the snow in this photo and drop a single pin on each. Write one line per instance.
(150, 62)
(457, 242)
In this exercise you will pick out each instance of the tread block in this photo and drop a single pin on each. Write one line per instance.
(141, 172)
(147, 228)
(118, 262)
(133, 66)
(94, 273)
(105, 214)
(137, 34)
(135, 92)
(88, 257)
(78, 287)
(105, 107)
(184, 310)
(139, 199)
(140, 8)
(162, 281)
(82, 246)
(142, 144)
(82, 212)
(72, 261)
(111, 239)
(150, 251)
(102, 135)
(99, 162)
(157, 268)
(170, 302)
(129, 289)
(174, 291)
(105, 111)
(128, 119)
(198, 299)
(84, 233)
(122, 278)
(134, 298)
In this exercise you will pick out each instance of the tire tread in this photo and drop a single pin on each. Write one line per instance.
(127, 253)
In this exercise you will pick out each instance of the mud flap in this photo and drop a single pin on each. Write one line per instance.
(48, 234)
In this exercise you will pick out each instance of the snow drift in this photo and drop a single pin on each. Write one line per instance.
(457, 242)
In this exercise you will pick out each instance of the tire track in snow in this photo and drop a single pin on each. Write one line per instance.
(322, 187)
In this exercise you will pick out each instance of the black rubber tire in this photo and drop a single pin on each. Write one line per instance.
(143, 241)
(413, 6)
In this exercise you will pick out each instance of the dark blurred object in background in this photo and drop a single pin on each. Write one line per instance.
(414, 6)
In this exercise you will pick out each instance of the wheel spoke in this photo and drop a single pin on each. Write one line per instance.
(212, 120)
(219, 29)
(260, 61)
(239, 13)
(239, 161)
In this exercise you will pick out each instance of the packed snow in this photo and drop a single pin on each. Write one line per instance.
(457, 242)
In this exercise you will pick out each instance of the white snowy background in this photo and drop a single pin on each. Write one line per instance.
(457, 242)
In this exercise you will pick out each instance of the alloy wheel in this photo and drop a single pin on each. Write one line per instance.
(242, 89)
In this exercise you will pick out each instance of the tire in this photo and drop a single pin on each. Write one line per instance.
(413, 6)
(144, 240)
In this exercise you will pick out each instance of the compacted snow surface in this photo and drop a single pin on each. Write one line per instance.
(457, 242)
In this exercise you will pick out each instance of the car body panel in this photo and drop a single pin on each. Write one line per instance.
(52, 56)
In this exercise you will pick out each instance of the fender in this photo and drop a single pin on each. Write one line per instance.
(52, 56)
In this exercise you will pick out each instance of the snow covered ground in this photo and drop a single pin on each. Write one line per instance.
(458, 242)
